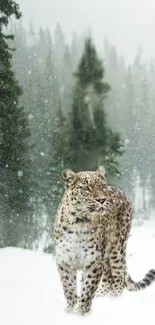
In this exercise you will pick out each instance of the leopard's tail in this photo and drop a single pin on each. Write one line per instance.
(148, 279)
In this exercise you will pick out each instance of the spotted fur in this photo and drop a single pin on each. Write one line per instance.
(91, 232)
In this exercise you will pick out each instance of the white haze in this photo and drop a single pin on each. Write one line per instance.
(128, 24)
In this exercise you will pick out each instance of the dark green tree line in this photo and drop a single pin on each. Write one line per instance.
(16, 187)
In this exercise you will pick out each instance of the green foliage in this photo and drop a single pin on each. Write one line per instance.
(7, 9)
(91, 140)
(90, 70)
(14, 147)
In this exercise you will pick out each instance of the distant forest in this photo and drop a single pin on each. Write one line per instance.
(72, 94)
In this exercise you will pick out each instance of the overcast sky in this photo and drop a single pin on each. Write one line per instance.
(126, 23)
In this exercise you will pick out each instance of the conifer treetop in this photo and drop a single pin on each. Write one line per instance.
(90, 69)
(7, 9)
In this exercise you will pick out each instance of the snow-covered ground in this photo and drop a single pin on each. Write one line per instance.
(31, 294)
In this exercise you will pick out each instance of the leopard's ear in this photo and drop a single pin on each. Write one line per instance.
(67, 175)
(101, 171)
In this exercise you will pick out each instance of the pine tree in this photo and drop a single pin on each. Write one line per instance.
(59, 46)
(14, 148)
(92, 142)
(57, 158)
(67, 80)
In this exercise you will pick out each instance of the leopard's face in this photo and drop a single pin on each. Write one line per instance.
(87, 192)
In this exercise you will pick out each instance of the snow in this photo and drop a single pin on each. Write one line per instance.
(31, 293)
(20, 173)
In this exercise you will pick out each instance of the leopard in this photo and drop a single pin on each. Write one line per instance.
(91, 231)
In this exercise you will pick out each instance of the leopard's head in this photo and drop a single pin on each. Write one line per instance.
(86, 190)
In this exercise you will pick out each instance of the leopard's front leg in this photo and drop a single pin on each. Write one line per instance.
(68, 278)
(90, 280)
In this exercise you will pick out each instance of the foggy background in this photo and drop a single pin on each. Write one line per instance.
(127, 23)
(87, 74)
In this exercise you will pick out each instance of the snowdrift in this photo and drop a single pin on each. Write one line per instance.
(31, 293)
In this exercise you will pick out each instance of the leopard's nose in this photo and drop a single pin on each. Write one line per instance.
(101, 200)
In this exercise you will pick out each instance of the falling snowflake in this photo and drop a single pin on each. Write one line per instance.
(126, 141)
(20, 173)
(86, 99)
(31, 117)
